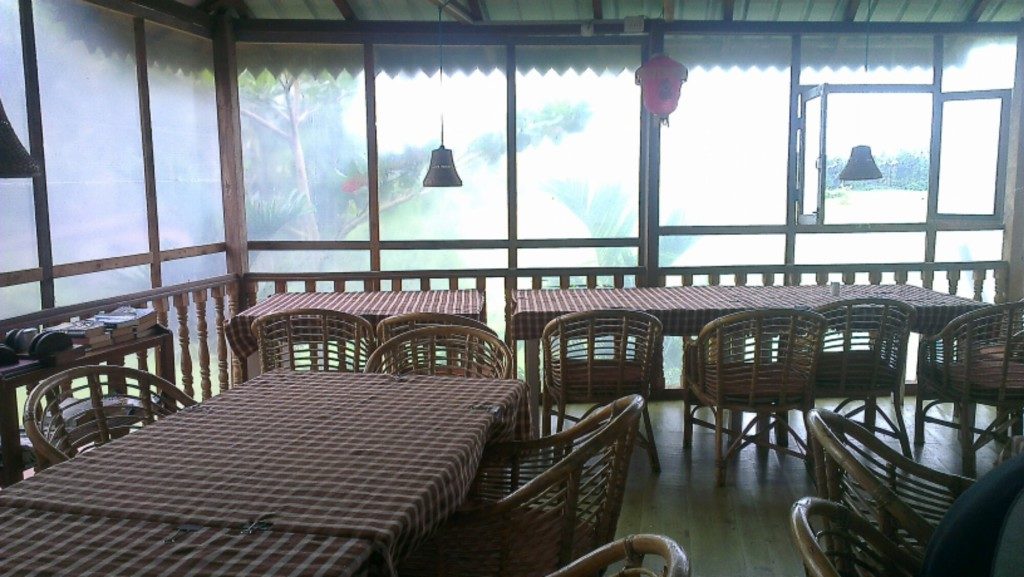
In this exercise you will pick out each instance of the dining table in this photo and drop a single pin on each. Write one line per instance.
(371, 305)
(684, 310)
(292, 473)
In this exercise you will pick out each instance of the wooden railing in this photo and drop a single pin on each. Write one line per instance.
(197, 312)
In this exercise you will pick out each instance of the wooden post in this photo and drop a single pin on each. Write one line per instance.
(1013, 207)
(225, 67)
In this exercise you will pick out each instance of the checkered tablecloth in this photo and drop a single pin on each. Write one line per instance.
(373, 306)
(48, 544)
(684, 311)
(375, 457)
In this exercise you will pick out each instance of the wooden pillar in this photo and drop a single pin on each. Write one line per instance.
(225, 67)
(1013, 209)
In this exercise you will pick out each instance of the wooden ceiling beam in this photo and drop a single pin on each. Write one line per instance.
(598, 9)
(728, 10)
(346, 9)
(214, 6)
(476, 12)
(850, 10)
(976, 10)
(457, 11)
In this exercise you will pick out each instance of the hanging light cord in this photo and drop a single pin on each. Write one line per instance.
(440, 70)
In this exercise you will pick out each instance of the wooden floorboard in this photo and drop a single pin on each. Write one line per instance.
(741, 529)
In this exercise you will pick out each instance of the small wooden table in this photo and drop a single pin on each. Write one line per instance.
(373, 306)
(683, 311)
(12, 378)
(365, 465)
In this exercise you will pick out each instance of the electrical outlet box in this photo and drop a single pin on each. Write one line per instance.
(633, 25)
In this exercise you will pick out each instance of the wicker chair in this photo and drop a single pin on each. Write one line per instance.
(443, 350)
(78, 409)
(904, 499)
(864, 356)
(834, 541)
(537, 505)
(630, 552)
(314, 340)
(978, 359)
(390, 327)
(597, 357)
(761, 361)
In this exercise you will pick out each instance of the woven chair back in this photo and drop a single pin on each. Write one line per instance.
(390, 327)
(904, 499)
(835, 541)
(628, 556)
(541, 503)
(864, 349)
(81, 408)
(314, 340)
(979, 356)
(443, 350)
(764, 357)
(599, 356)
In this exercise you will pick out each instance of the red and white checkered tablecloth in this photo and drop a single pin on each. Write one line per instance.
(375, 457)
(684, 311)
(373, 306)
(49, 544)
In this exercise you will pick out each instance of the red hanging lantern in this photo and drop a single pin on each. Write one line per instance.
(660, 79)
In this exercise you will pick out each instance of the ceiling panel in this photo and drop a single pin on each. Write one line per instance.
(514, 11)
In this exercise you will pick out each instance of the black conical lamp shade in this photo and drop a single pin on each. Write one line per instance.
(442, 169)
(861, 165)
(15, 161)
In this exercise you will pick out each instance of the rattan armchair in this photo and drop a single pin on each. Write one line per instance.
(78, 409)
(390, 327)
(903, 498)
(597, 357)
(762, 361)
(630, 552)
(978, 359)
(864, 356)
(835, 541)
(314, 340)
(537, 505)
(443, 350)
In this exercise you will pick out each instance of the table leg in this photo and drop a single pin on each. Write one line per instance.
(9, 437)
(532, 354)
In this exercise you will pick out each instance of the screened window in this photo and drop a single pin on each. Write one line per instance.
(969, 156)
(866, 59)
(978, 63)
(724, 154)
(17, 219)
(472, 101)
(577, 139)
(90, 110)
(186, 154)
(303, 114)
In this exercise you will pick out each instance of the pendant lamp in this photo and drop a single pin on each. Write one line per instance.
(861, 165)
(441, 172)
(15, 161)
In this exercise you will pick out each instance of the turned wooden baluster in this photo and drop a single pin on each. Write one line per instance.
(875, 277)
(222, 345)
(160, 306)
(927, 278)
(237, 375)
(849, 277)
(203, 338)
(979, 283)
(181, 307)
(901, 277)
(821, 278)
(953, 276)
(1000, 279)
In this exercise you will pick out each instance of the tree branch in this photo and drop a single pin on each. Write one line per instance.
(265, 123)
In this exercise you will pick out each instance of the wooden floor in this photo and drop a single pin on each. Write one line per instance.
(740, 529)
